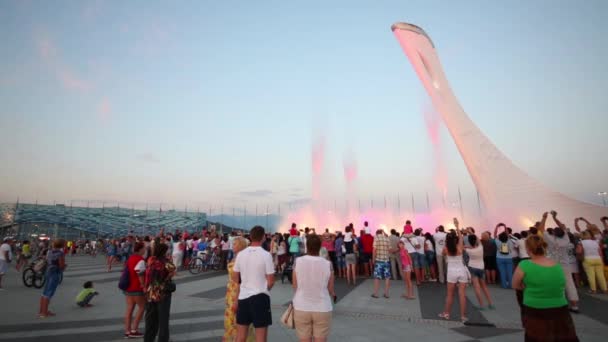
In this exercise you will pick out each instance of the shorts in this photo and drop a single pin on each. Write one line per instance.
(365, 257)
(282, 259)
(254, 310)
(430, 257)
(382, 270)
(351, 259)
(419, 260)
(407, 268)
(3, 267)
(51, 284)
(312, 324)
(341, 261)
(489, 263)
(477, 273)
(458, 275)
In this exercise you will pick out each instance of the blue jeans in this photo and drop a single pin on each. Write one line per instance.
(51, 284)
(505, 268)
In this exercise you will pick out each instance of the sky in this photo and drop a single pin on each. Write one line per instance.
(203, 103)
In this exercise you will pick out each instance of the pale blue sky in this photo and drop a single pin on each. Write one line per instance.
(218, 101)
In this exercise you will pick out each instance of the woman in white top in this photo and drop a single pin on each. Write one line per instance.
(178, 252)
(313, 282)
(458, 274)
(593, 265)
(476, 269)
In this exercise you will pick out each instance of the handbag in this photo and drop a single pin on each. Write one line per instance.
(171, 286)
(288, 319)
(124, 281)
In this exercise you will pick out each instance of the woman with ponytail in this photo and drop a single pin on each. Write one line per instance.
(458, 275)
(544, 310)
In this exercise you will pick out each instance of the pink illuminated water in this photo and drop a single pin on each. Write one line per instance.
(325, 211)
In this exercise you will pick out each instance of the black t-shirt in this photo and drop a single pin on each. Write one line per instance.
(266, 245)
(349, 247)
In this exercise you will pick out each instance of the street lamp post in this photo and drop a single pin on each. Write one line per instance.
(603, 194)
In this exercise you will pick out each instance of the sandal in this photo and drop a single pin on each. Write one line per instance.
(410, 297)
(386, 296)
(464, 319)
(444, 315)
(374, 296)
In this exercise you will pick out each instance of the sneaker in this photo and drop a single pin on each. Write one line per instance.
(135, 334)
(127, 335)
(491, 307)
(575, 310)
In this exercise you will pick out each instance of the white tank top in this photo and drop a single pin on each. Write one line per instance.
(176, 249)
(591, 248)
(455, 261)
(476, 257)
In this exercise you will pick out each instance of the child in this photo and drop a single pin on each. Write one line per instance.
(406, 265)
(86, 295)
(408, 230)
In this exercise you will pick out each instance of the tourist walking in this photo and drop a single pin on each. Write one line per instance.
(55, 266)
(313, 283)
(458, 275)
(381, 261)
(158, 288)
(178, 251)
(476, 269)
(112, 251)
(134, 294)
(545, 314)
(232, 297)
(6, 257)
(254, 270)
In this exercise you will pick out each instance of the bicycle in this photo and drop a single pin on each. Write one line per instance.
(204, 262)
(34, 274)
(197, 264)
(215, 261)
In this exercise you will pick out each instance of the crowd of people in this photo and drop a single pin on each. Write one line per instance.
(545, 265)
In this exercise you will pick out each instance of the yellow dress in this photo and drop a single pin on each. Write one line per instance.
(230, 325)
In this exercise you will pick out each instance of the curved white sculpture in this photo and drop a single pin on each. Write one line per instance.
(508, 193)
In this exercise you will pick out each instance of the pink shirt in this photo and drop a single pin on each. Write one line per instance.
(407, 229)
(329, 245)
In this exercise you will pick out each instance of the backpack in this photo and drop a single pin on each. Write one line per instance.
(124, 281)
(504, 248)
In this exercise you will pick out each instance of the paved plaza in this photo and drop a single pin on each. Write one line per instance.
(198, 307)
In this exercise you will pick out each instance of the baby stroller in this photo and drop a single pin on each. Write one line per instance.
(288, 271)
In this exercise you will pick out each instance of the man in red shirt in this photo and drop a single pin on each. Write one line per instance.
(367, 247)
